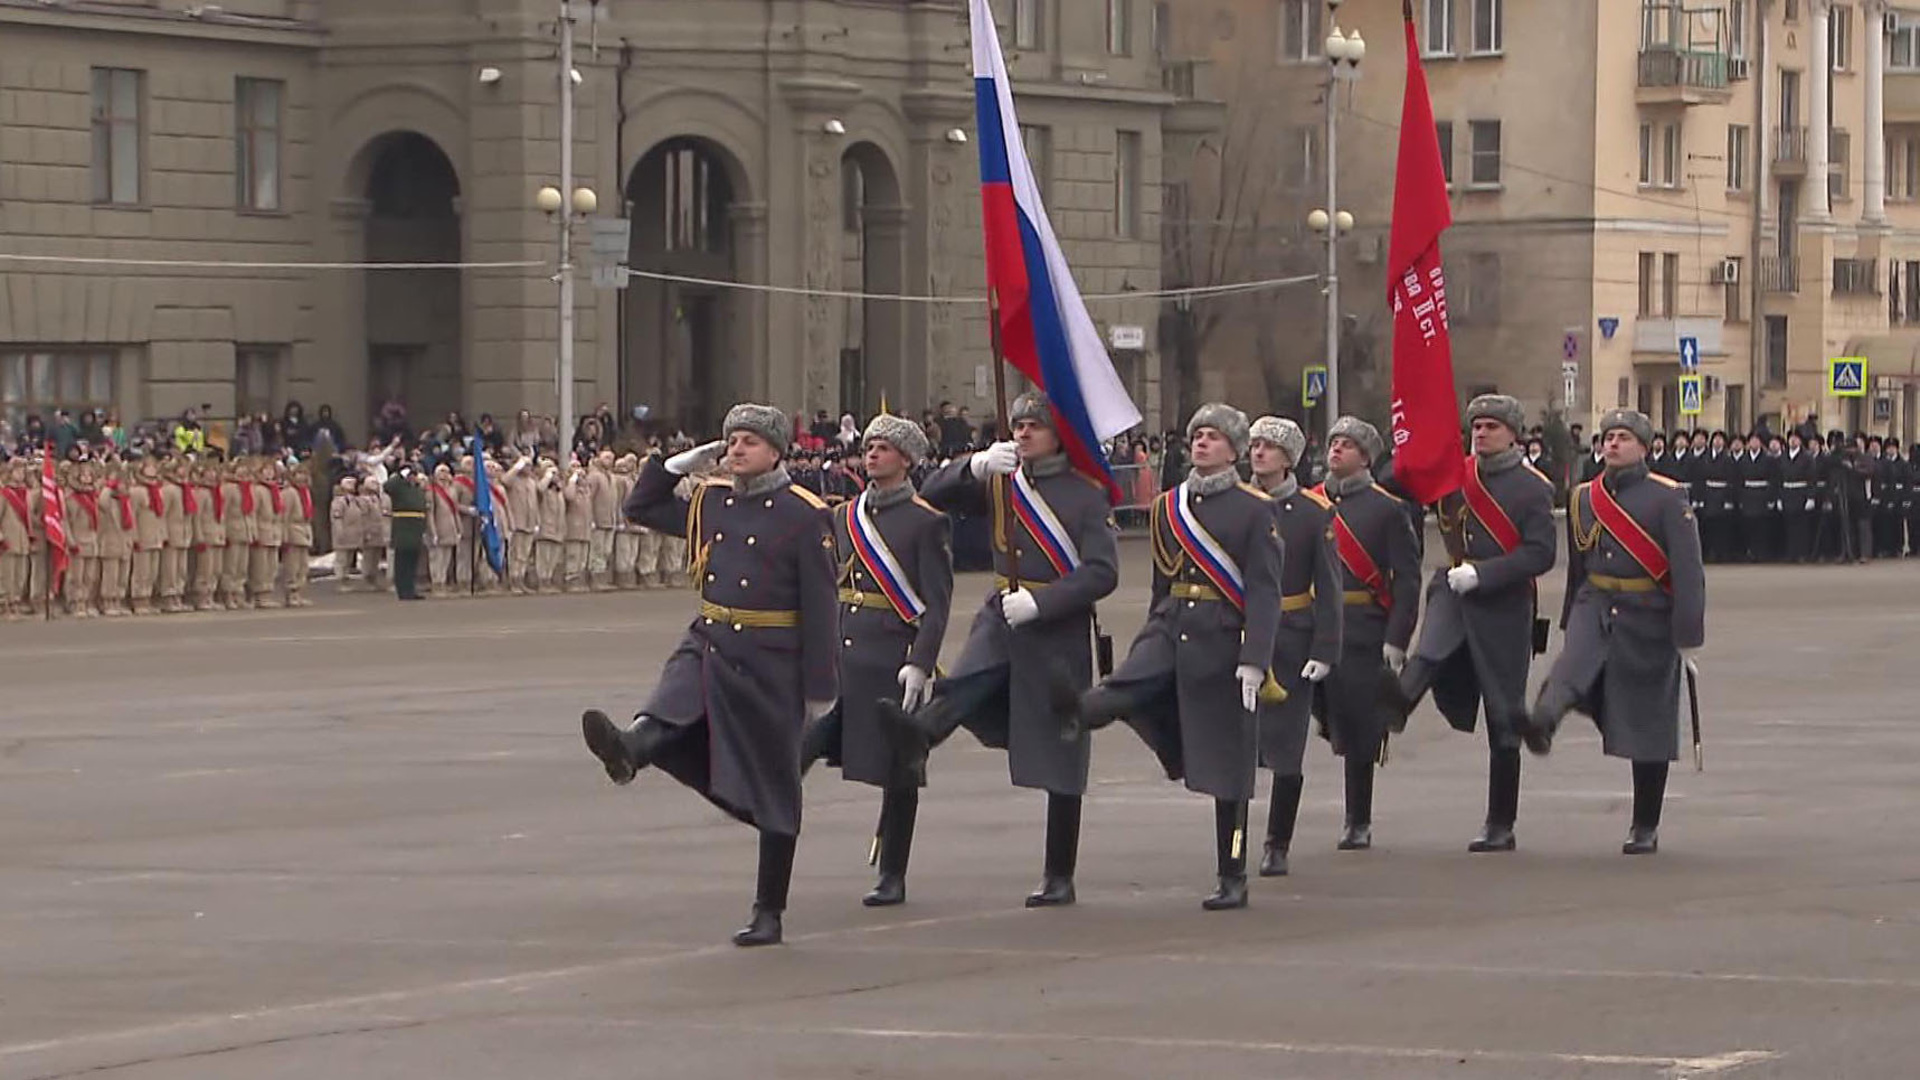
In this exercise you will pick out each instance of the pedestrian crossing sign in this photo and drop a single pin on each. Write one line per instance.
(1691, 395)
(1847, 376)
(1313, 385)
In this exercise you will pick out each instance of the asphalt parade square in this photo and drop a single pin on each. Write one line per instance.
(364, 839)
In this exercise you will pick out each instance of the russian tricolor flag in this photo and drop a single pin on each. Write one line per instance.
(1045, 330)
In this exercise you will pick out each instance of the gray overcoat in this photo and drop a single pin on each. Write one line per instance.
(1356, 710)
(1310, 617)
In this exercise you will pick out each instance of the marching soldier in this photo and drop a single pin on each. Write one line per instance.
(1028, 650)
(1308, 642)
(1190, 685)
(296, 547)
(116, 543)
(758, 663)
(895, 557)
(1635, 613)
(209, 534)
(408, 497)
(1799, 497)
(83, 538)
(16, 516)
(1478, 638)
(1380, 586)
(626, 535)
(150, 533)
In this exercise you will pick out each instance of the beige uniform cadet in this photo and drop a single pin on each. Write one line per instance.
(626, 535)
(464, 497)
(209, 535)
(296, 541)
(236, 487)
(116, 542)
(379, 548)
(174, 560)
(83, 514)
(348, 533)
(547, 547)
(604, 499)
(269, 499)
(523, 513)
(16, 511)
(579, 526)
(37, 568)
(443, 531)
(150, 534)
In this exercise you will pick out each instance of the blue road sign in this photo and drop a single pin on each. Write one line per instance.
(1313, 385)
(1608, 326)
(1691, 395)
(1847, 376)
(1689, 354)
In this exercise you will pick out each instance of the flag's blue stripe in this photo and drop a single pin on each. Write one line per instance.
(993, 137)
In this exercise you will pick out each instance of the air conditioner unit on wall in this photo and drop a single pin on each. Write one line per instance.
(1729, 271)
(1737, 67)
(1715, 384)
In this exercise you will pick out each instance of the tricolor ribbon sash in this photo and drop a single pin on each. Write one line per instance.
(1044, 525)
(1202, 548)
(878, 558)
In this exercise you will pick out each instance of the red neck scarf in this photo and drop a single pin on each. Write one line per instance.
(273, 494)
(187, 500)
(126, 505)
(246, 496)
(219, 501)
(306, 502)
(155, 501)
(90, 502)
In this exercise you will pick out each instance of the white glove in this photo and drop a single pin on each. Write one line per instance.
(1019, 607)
(699, 457)
(916, 687)
(997, 460)
(1395, 656)
(1316, 671)
(1250, 679)
(1809, 504)
(818, 709)
(1463, 579)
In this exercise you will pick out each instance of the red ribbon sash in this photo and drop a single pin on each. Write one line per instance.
(91, 504)
(1644, 549)
(1488, 509)
(156, 502)
(1360, 563)
(17, 498)
(306, 502)
(446, 497)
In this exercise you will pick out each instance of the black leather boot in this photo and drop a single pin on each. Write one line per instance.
(1503, 802)
(1094, 710)
(770, 891)
(1641, 840)
(898, 809)
(1548, 709)
(623, 752)
(821, 739)
(1282, 811)
(1649, 797)
(762, 929)
(907, 732)
(1230, 851)
(1358, 835)
(1063, 852)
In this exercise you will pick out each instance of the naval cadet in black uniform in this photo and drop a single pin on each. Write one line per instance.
(895, 558)
(1031, 646)
(1799, 498)
(1477, 639)
(1190, 685)
(1380, 587)
(761, 658)
(1635, 613)
(1308, 642)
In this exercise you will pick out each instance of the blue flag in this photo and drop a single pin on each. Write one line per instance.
(483, 506)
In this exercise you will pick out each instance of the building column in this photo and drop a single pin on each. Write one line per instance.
(1875, 160)
(1820, 72)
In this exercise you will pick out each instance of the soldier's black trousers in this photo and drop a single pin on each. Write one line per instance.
(1799, 537)
(1649, 793)
(899, 806)
(1283, 810)
(1359, 788)
(1230, 836)
(776, 871)
(1503, 785)
(1063, 834)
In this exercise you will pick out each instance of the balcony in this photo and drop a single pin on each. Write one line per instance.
(1683, 54)
(1195, 110)
(1780, 273)
(1790, 150)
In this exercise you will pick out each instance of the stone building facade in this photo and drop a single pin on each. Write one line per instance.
(199, 179)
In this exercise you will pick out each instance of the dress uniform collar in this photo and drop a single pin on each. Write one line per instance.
(1622, 479)
(1499, 461)
(879, 498)
(1360, 481)
(1041, 468)
(1212, 484)
(771, 480)
(1287, 488)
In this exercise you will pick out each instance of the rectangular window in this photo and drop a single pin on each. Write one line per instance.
(1669, 284)
(1120, 27)
(1037, 141)
(1481, 306)
(116, 135)
(1443, 130)
(1905, 53)
(1737, 29)
(1161, 31)
(256, 376)
(1027, 24)
(1126, 184)
(1739, 149)
(256, 139)
(1646, 283)
(1485, 135)
(1910, 153)
(1301, 37)
(1791, 8)
(1303, 171)
(1839, 159)
(694, 204)
(1671, 169)
(1776, 350)
(1854, 276)
(1438, 38)
(38, 382)
(1735, 287)
(1487, 25)
(1646, 153)
(1840, 38)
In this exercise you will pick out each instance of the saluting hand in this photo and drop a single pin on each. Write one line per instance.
(695, 460)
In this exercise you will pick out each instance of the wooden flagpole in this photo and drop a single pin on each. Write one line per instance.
(1003, 510)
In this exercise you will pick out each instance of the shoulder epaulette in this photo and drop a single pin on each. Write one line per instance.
(925, 505)
(1537, 474)
(1097, 485)
(1663, 480)
(717, 481)
(808, 496)
(1255, 492)
(1387, 493)
(1316, 495)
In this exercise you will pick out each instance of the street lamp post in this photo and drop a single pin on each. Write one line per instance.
(1344, 53)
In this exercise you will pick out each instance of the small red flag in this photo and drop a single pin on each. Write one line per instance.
(1428, 461)
(53, 524)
